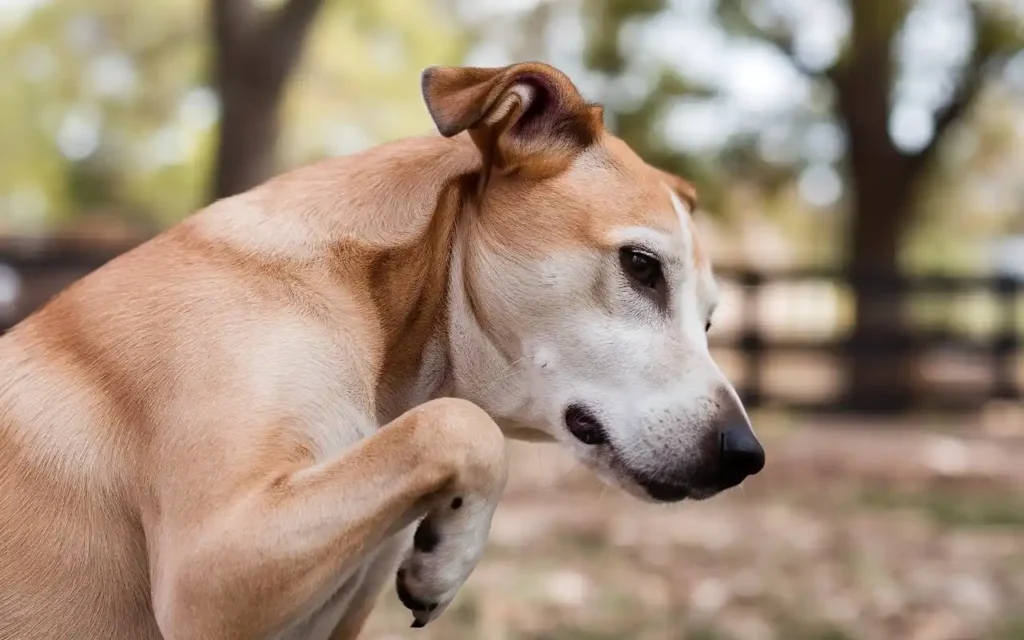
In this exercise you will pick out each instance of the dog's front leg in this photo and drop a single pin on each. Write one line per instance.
(446, 548)
(275, 555)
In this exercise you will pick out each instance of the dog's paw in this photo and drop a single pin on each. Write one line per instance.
(446, 548)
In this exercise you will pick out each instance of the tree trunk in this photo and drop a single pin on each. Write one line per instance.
(878, 361)
(881, 364)
(255, 52)
(247, 138)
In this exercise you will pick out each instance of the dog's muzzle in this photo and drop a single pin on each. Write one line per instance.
(731, 453)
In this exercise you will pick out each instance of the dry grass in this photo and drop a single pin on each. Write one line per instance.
(870, 535)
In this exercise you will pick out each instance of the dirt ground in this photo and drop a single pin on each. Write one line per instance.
(902, 532)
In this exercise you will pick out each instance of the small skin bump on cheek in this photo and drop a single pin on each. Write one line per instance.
(544, 357)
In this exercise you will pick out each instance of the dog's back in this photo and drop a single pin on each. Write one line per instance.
(230, 313)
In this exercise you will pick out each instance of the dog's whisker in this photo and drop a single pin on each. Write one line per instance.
(510, 365)
(503, 375)
(558, 478)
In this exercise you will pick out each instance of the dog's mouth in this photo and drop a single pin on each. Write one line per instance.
(660, 491)
(602, 456)
(675, 491)
(587, 428)
(584, 425)
(648, 488)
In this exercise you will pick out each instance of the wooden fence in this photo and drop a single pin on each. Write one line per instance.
(990, 363)
(30, 275)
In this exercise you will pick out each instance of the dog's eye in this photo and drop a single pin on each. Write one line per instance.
(642, 267)
(707, 326)
(645, 274)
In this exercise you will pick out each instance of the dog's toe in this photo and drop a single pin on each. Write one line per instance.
(410, 601)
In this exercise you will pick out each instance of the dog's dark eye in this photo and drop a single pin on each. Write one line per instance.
(707, 326)
(643, 268)
(645, 274)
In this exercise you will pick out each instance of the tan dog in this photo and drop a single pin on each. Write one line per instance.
(191, 439)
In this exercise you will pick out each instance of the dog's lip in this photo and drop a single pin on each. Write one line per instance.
(676, 491)
(659, 488)
(602, 455)
(663, 491)
(646, 485)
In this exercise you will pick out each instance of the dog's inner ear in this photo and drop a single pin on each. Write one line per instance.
(527, 118)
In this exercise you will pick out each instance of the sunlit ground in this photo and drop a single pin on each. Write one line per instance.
(873, 534)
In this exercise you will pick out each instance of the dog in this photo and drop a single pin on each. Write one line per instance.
(248, 425)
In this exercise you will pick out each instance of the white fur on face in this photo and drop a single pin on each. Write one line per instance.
(583, 335)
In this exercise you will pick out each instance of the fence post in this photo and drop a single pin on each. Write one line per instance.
(751, 341)
(1007, 343)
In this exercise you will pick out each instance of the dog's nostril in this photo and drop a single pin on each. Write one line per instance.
(742, 454)
(584, 426)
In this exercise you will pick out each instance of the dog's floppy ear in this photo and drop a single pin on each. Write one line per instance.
(526, 117)
(682, 188)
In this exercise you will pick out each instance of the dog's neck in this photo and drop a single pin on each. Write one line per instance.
(385, 225)
(414, 294)
(482, 365)
(418, 283)
(438, 344)
(458, 356)
(395, 224)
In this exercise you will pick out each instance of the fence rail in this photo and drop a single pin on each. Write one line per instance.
(29, 275)
(998, 377)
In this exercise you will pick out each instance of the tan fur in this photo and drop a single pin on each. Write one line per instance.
(190, 440)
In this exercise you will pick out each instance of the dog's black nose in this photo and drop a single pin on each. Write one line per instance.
(742, 455)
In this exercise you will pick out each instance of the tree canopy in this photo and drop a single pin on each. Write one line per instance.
(107, 107)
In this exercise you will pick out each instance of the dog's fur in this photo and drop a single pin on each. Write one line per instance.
(191, 439)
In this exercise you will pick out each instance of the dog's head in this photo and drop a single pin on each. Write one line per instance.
(583, 295)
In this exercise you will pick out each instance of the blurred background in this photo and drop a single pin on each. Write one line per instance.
(861, 171)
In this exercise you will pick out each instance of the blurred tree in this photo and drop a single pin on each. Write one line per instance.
(106, 108)
(637, 121)
(883, 178)
(90, 93)
(255, 52)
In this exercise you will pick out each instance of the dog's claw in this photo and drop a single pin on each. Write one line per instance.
(418, 624)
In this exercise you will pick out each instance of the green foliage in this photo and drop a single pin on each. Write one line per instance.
(101, 79)
(121, 88)
(105, 108)
(1011, 629)
(605, 21)
(639, 125)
